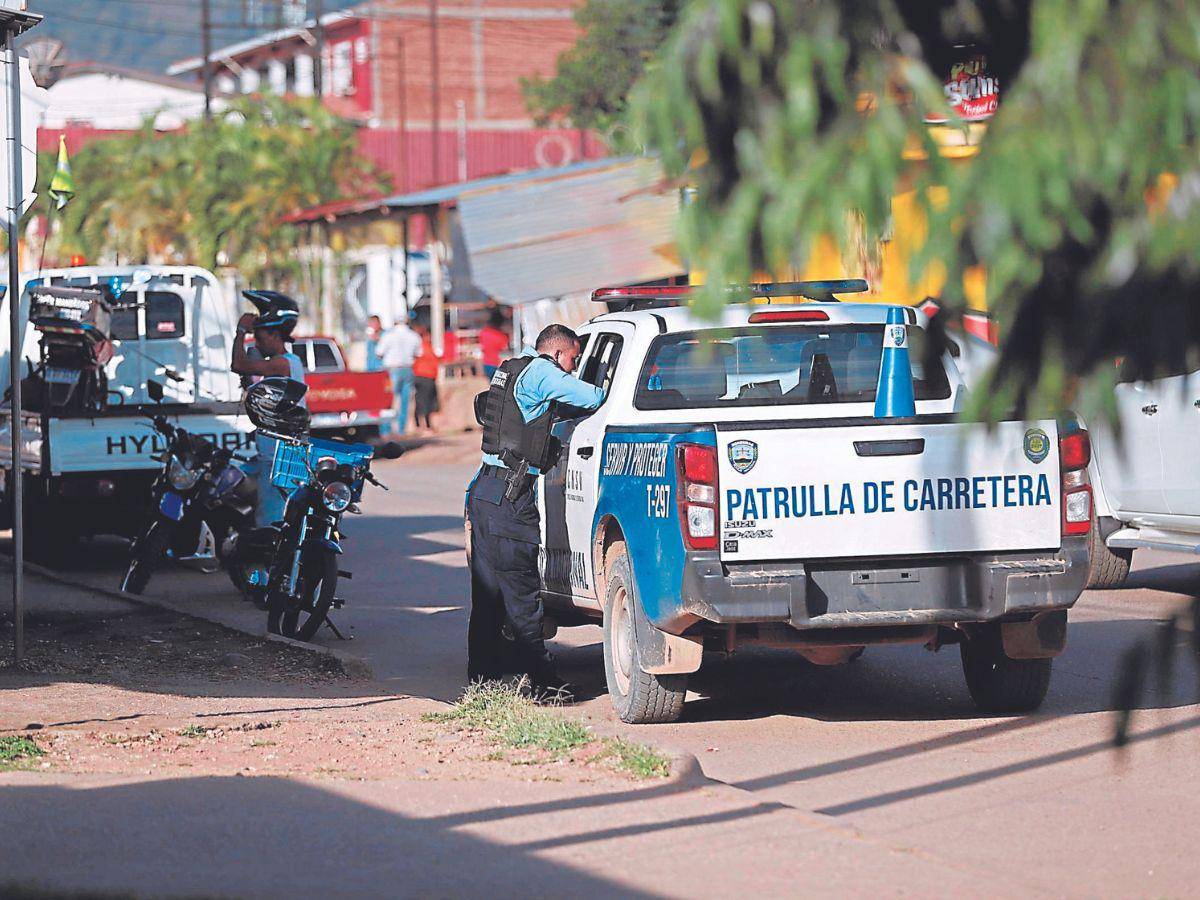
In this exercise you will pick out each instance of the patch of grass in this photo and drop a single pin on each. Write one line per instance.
(638, 760)
(15, 750)
(516, 720)
(503, 711)
(262, 743)
(193, 731)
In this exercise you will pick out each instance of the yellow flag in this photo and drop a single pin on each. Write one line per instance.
(62, 185)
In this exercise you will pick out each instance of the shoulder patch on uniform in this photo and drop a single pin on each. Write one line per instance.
(500, 379)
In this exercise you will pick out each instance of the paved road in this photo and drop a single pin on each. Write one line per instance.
(888, 746)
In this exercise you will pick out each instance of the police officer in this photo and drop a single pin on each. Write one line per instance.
(272, 327)
(517, 413)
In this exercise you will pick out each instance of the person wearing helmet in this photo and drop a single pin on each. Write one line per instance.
(272, 327)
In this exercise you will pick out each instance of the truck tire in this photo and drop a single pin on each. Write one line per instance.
(998, 683)
(639, 697)
(1109, 568)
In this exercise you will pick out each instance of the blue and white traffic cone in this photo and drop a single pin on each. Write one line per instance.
(894, 395)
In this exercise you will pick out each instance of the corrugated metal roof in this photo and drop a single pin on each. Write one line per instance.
(548, 237)
(447, 193)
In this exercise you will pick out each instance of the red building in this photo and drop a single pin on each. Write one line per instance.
(436, 84)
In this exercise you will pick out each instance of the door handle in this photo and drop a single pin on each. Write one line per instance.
(1150, 409)
(585, 452)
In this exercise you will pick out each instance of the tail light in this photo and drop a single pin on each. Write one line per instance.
(696, 465)
(1075, 453)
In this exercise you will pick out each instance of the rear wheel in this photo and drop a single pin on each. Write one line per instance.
(639, 697)
(145, 555)
(1109, 568)
(300, 618)
(997, 682)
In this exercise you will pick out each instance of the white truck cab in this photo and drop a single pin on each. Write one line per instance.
(736, 487)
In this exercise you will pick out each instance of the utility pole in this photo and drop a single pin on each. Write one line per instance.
(319, 47)
(461, 107)
(402, 115)
(13, 23)
(434, 92)
(206, 41)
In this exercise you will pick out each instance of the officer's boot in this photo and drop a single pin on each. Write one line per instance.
(539, 664)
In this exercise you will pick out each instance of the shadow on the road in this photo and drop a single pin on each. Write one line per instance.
(984, 775)
(1180, 579)
(268, 836)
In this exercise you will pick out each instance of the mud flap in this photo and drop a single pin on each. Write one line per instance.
(659, 653)
(1042, 637)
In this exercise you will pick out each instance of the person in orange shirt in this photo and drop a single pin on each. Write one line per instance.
(425, 373)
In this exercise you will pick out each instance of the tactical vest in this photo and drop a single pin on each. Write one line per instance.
(505, 430)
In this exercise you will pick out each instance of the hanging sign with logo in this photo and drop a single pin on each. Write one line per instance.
(970, 91)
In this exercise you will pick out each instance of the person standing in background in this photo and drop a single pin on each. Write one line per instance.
(374, 333)
(493, 342)
(425, 371)
(397, 350)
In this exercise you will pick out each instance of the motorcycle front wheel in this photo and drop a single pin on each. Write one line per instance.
(145, 555)
(300, 618)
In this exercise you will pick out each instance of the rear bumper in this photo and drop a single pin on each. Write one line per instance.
(860, 593)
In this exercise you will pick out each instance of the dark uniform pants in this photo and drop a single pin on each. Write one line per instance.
(505, 536)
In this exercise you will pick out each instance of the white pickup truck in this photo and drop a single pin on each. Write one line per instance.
(89, 471)
(1145, 473)
(736, 488)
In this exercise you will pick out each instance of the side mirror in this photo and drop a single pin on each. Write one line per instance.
(155, 390)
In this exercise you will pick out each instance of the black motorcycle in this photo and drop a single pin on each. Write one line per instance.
(201, 502)
(305, 570)
(323, 481)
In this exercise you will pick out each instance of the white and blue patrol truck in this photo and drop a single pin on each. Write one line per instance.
(791, 475)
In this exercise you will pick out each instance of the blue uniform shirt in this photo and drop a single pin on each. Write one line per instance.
(540, 384)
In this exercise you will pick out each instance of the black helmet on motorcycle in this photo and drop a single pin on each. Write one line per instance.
(273, 405)
(275, 310)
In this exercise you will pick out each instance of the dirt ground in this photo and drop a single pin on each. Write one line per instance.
(120, 689)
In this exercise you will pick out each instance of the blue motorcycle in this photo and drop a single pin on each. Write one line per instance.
(202, 507)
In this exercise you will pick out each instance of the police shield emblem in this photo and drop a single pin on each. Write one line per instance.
(743, 455)
(896, 336)
(1037, 445)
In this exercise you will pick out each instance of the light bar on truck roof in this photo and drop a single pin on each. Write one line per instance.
(820, 291)
(616, 294)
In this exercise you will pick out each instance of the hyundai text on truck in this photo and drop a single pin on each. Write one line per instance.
(736, 488)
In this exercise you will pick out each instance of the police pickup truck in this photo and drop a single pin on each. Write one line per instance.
(87, 451)
(791, 476)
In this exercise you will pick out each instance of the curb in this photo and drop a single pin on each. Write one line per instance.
(352, 666)
(686, 772)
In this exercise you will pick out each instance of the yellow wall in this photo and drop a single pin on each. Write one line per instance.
(889, 276)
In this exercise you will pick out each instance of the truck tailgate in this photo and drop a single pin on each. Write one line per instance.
(336, 392)
(887, 490)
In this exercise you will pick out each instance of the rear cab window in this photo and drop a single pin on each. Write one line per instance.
(601, 363)
(775, 365)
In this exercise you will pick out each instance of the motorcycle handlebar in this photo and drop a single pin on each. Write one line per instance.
(375, 481)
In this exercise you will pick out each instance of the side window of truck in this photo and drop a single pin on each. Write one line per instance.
(325, 358)
(601, 363)
(164, 316)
